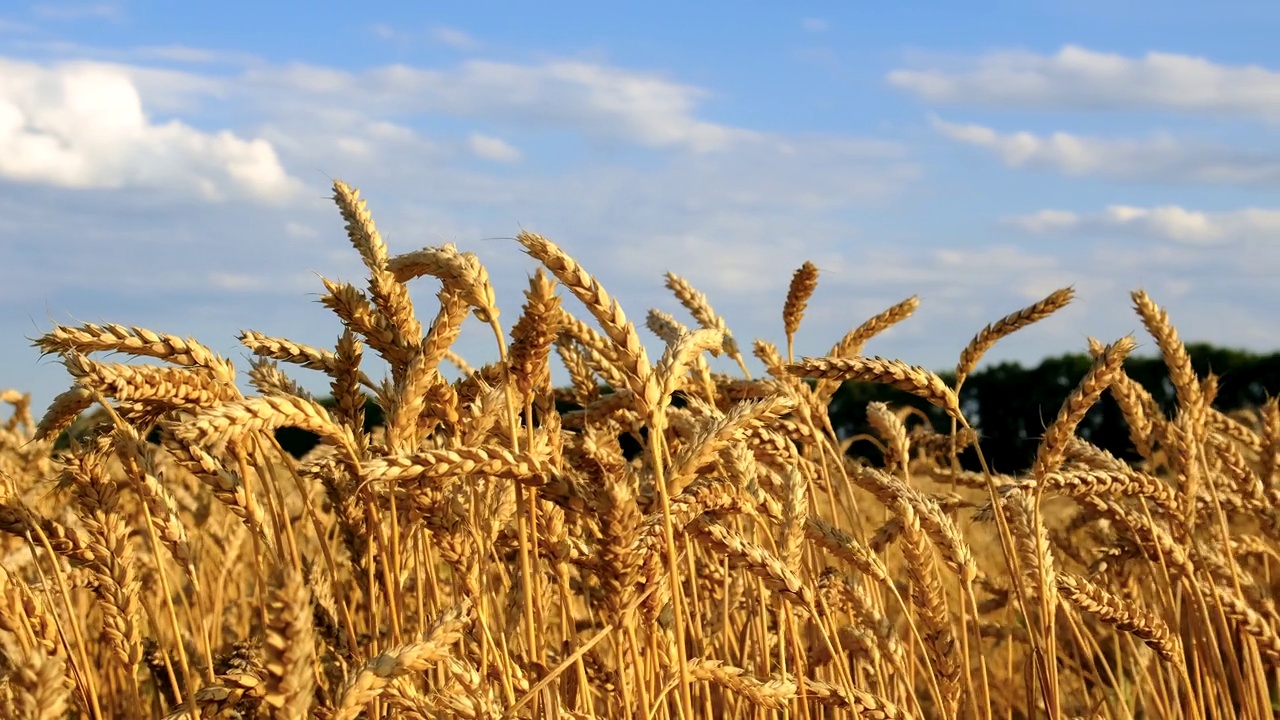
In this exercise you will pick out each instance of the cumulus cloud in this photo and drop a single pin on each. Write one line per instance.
(1169, 223)
(1161, 157)
(1076, 78)
(492, 148)
(83, 125)
(596, 100)
(732, 208)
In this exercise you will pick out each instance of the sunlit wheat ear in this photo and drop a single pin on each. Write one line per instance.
(63, 411)
(666, 327)
(679, 356)
(772, 694)
(851, 344)
(175, 387)
(931, 603)
(631, 353)
(585, 390)
(1105, 369)
(233, 420)
(358, 313)
(894, 434)
(21, 403)
(136, 341)
(1143, 624)
(700, 308)
(534, 334)
(290, 646)
(754, 558)
(993, 333)
(390, 296)
(374, 676)
(1270, 443)
(1142, 414)
(915, 380)
(39, 687)
(461, 272)
(267, 378)
(803, 283)
(1185, 382)
(97, 497)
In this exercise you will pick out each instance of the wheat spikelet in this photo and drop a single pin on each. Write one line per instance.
(288, 351)
(435, 465)
(795, 513)
(64, 410)
(533, 335)
(675, 362)
(389, 295)
(355, 310)
(267, 378)
(803, 283)
(632, 358)
(409, 401)
(665, 326)
(175, 387)
(345, 384)
(844, 546)
(915, 380)
(1111, 610)
(39, 688)
(1141, 413)
(863, 703)
(993, 333)
(376, 674)
(851, 344)
(234, 420)
(700, 308)
(927, 595)
(460, 272)
(894, 433)
(1156, 320)
(773, 694)
(89, 338)
(1105, 369)
(290, 648)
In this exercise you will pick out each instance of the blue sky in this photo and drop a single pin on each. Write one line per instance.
(167, 164)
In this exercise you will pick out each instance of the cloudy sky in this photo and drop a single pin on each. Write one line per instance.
(168, 164)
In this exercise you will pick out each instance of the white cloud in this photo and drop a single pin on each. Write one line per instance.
(814, 25)
(1045, 221)
(83, 125)
(438, 35)
(1161, 158)
(454, 38)
(596, 100)
(188, 54)
(1169, 223)
(1076, 78)
(492, 148)
(733, 209)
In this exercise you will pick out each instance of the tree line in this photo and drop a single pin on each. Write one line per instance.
(1011, 405)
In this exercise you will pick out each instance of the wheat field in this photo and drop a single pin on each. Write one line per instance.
(484, 554)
